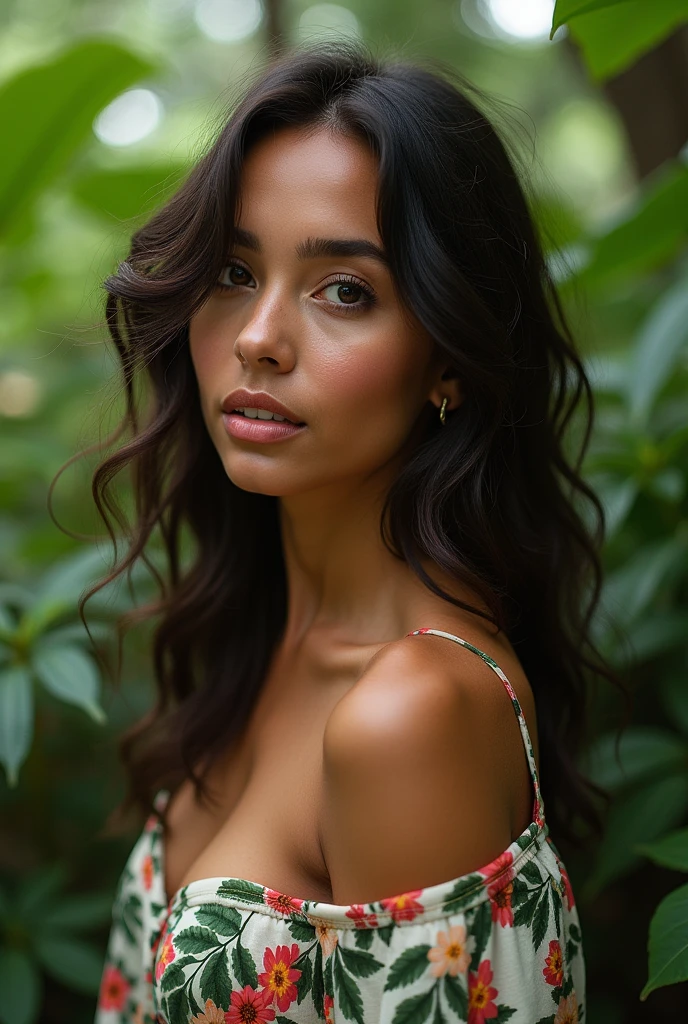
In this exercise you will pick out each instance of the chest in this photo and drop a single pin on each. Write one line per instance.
(264, 821)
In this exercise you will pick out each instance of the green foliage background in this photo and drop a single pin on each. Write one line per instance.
(68, 203)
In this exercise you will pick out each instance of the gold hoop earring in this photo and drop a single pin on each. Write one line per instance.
(443, 420)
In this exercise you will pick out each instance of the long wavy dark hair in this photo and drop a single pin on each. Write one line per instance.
(494, 498)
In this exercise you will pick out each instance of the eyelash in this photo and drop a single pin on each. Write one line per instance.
(369, 300)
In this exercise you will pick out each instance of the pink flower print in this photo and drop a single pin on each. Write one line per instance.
(404, 907)
(481, 995)
(212, 1014)
(328, 1008)
(570, 901)
(554, 965)
(279, 977)
(358, 914)
(500, 899)
(280, 901)
(567, 1011)
(147, 871)
(326, 936)
(250, 1005)
(450, 955)
(500, 864)
(114, 989)
(167, 955)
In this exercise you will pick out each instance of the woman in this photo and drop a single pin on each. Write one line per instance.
(360, 379)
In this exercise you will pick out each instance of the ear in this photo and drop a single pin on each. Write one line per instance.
(447, 385)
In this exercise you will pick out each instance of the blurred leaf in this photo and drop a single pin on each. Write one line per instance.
(61, 587)
(614, 36)
(16, 718)
(644, 752)
(668, 942)
(69, 675)
(662, 338)
(37, 891)
(617, 495)
(8, 623)
(76, 633)
(675, 696)
(630, 589)
(16, 595)
(20, 988)
(658, 632)
(634, 817)
(647, 235)
(73, 962)
(565, 9)
(48, 112)
(129, 193)
(670, 851)
(87, 910)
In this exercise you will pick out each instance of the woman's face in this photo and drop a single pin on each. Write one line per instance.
(323, 333)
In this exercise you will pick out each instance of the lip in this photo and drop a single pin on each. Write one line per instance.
(240, 398)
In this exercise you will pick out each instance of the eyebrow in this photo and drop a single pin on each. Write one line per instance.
(316, 248)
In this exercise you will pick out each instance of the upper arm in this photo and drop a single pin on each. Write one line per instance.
(415, 763)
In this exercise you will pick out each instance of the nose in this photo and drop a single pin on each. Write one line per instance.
(265, 338)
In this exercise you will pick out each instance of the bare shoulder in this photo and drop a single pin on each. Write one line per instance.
(419, 761)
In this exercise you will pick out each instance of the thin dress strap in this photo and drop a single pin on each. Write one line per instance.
(538, 805)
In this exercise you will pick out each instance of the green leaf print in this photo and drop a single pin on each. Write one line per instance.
(178, 1005)
(223, 920)
(364, 938)
(463, 888)
(531, 873)
(541, 917)
(196, 939)
(172, 978)
(318, 992)
(130, 917)
(546, 1020)
(407, 968)
(503, 1013)
(215, 980)
(305, 983)
(457, 995)
(415, 1009)
(358, 962)
(244, 966)
(386, 933)
(480, 929)
(350, 1001)
(301, 931)
(284, 1020)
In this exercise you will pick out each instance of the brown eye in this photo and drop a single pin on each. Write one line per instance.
(233, 275)
(347, 293)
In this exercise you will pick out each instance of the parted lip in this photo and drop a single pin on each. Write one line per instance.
(243, 399)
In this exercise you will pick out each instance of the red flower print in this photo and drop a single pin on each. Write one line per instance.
(114, 989)
(280, 901)
(481, 995)
(567, 1011)
(500, 898)
(570, 901)
(279, 977)
(357, 913)
(497, 866)
(328, 1007)
(249, 1005)
(404, 907)
(554, 965)
(167, 955)
(147, 871)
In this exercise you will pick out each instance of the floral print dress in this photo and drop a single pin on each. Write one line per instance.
(502, 943)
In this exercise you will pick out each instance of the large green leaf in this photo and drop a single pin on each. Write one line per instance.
(647, 236)
(16, 718)
(663, 337)
(47, 112)
(79, 912)
(20, 988)
(128, 193)
(564, 10)
(644, 753)
(69, 675)
(671, 851)
(637, 816)
(668, 943)
(630, 589)
(614, 36)
(61, 587)
(73, 962)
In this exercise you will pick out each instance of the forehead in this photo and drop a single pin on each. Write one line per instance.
(310, 176)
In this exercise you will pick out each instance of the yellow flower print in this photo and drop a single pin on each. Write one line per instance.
(450, 954)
